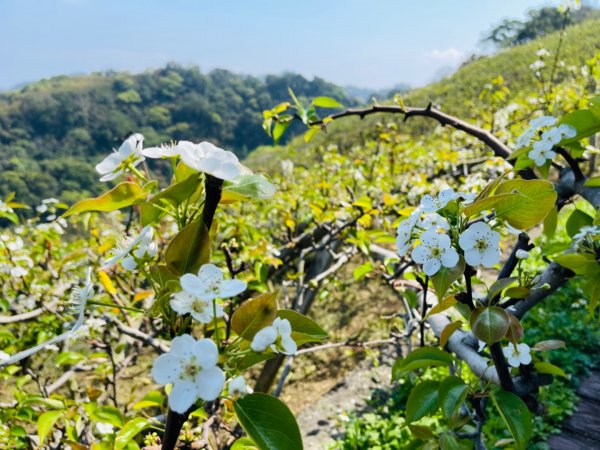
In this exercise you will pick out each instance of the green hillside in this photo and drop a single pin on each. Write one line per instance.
(53, 132)
(461, 93)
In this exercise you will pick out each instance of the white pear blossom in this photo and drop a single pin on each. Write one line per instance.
(191, 366)
(435, 251)
(537, 65)
(210, 284)
(129, 154)
(481, 245)
(433, 221)
(277, 337)
(433, 203)
(404, 232)
(237, 386)
(105, 428)
(166, 151)
(542, 53)
(517, 354)
(133, 250)
(200, 291)
(208, 158)
(587, 231)
(522, 254)
(525, 138)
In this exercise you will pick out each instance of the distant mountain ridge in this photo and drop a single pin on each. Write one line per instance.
(366, 94)
(53, 131)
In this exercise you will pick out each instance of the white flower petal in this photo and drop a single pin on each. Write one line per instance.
(192, 284)
(450, 258)
(263, 338)
(206, 353)
(182, 346)
(181, 302)
(231, 288)
(166, 368)
(431, 267)
(210, 383)
(183, 395)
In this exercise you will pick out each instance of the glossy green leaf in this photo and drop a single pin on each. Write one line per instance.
(584, 121)
(515, 415)
(153, 399)
(449, 331)
(452, 393)
(268, 422)
(593, 182)
(576, 221)
(579, 263)
(244, 443)
(550, 222)
(254, 186)
(362, 270)
(130, 430)
(253, 315)
(515, 329)
(172, 196)
(489, 324)
(442, 306)
(422, 400)
(522, 203)
(304, 329)
(189, 249)
(46, 422)
(444, 278)
(420, 358)
(499, 285)
(326, 102)
(108, 414)
(122, 195)
(551, 369)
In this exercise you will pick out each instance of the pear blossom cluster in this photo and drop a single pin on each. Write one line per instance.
(542, 149)
(431, 232)
(133, 251)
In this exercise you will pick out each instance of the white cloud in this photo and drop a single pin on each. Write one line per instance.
(447, 56)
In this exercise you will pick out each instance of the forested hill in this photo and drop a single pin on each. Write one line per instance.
(52, 132)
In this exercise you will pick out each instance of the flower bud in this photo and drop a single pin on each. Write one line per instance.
(522, 254)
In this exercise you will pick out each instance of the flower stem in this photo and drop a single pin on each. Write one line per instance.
(506, 381)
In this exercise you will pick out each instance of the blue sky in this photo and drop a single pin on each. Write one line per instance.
(373, 44)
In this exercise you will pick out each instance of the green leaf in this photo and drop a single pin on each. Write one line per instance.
(253, 315)
(45, 423)
(304, 329)
(522, 203)
(452, 393)
(244, 443)
(545, 367)
(584, 121)
(593, 182)
(130, 431)
(446, 276)
(68, 358)
(153, 399)
(498, 286)
(578, 263)
(189, 249)
(279, 129)
(516, 416)
(449, 331)
(442, 306)
(550, 222)
(108, 414)
(268, 422)
(362, 270)
(420, 358)
(422, 400)
(517, 292)
(489, 324)
(172, 196)
(254, 186)
(122, 195)
(576, 221)
(326, 102)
